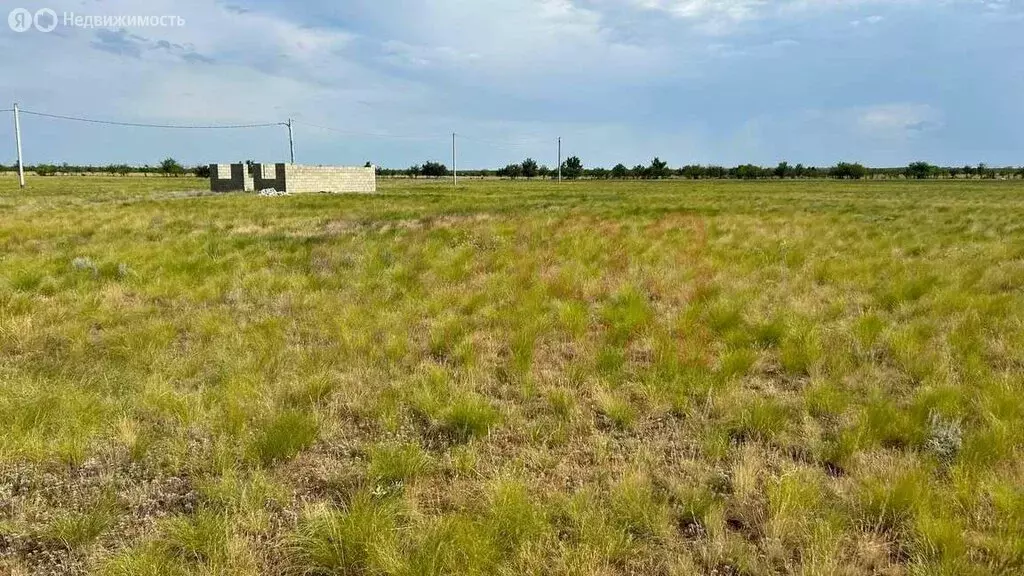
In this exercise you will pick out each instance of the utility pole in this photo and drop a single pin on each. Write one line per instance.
(17, 137)
(291, 141)
(559, 159)
(455, 160)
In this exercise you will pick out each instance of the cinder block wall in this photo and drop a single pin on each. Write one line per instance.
(230, 178)
(270, 176)
(292, 178)
(300, 179)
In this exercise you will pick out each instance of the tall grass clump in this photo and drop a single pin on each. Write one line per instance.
(396, 464)
(361, 538)
(282, 436)
(467, 418)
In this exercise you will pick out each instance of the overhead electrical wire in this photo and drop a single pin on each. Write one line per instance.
(367, 134)
(144, 125)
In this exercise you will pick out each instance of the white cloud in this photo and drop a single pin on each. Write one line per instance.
(900, 120)
(725, 16)
(869, 21)
(508, 41)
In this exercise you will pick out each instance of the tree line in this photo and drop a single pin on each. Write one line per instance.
(573, 169)
(659, 169)
(168, 167)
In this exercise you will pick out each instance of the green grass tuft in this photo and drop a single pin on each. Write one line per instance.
(396, 464)
(362, 538)
(283, 436)
(79, 530)
(638, 509)
(201, 538)
(618, 411)
(467, 418)
(760, 419)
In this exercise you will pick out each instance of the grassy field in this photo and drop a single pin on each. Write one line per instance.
(512, 378)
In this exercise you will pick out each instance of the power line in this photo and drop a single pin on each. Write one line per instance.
(512, 144)
(509, 145)
(367, 134)
(142, 125)
(522, 143)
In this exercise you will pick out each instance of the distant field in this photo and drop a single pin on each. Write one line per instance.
(512, 378)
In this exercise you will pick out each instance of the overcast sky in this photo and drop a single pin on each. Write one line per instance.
(882, 82)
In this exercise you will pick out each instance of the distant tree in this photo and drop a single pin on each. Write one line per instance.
(543, 171)
(783, 170)
(692, 171)
(921, 170)
(815, 172)
(529, 168)
(201, 171)
(749, 172)
(434, 169)
(124, 169)
(620, 172)
(413, 171)
(599, 173)
(572, 168)
(715, 171)
(848, 171)
(170, 167)
(639, 172)
(658, 169)
(512, 171)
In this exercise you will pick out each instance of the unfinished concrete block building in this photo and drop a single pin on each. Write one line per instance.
(292, 178)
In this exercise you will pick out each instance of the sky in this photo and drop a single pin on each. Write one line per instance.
(882, 82)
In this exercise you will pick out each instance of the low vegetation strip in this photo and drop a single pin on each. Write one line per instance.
(675, 377)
